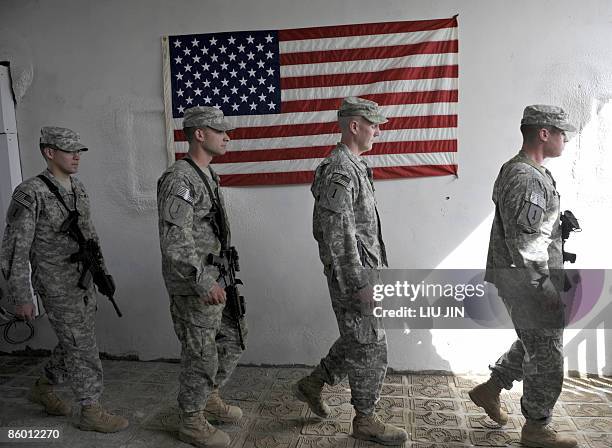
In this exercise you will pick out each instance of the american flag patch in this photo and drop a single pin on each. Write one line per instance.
(537, 199)
(23, 198)
(184, 193)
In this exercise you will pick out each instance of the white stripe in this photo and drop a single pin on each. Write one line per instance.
(369, 65)
(404, 110)
(399, 135)
(284, 166)
(410, 85)
(369, 40)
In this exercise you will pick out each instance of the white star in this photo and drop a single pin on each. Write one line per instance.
(195, 42)
(196, 59)
(262, 97)
(253, 106)
(224, 82)
(225, 99)
(215, 74)
(269, 38)
(197, 75)
(262, 80)
(177, 43)
(260, 64)
(181, 109)
(259, 47)
(250, 55)
(215, 91)
(189, 100)
(222, 48)
(214, 58)
(271, 89)
(178, 59)
(242, 65)
(180, 92)
(244, 98)
(250, 39)
(223, 66)
(206, 83)
(216, 106)
(179, 76)
(189, 84)
(231, 40)
(205, 66)
(233, 73)
(205, 50)
(251, 72)
(207, 99)
(270, 72)
(213, 41)
(241, 48)
(234, 106)
(234, 90)
(188, 68)
(271, 105)
(187, 51)
(269, 55)
(253, 89)
(242, 81)
(232, 57)
(197, 92)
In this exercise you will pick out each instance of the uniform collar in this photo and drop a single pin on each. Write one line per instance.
(357, 160)
(52, 178)
(522, 157)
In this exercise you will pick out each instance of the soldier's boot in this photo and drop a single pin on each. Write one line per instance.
(217, 409)
(95, 418)
(308, 390)
(42, 393)
(538, 436)
(372, 428)
(486, 395)
(195, 430)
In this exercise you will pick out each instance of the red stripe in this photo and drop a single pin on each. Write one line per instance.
(294, 130)
(383, 99)
(360, 54)
(365, 29)
(303, 177)
(393, 74)
(315, 152)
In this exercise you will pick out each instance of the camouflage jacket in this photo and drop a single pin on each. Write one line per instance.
(525, 242)
(33, 235)
(187, 230)
(345, 219)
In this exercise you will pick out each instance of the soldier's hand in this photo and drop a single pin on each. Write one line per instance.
(25, 312)
(550, 297)
(216, 295)
(365, 296)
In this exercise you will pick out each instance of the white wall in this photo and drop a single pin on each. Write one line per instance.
(96, 67)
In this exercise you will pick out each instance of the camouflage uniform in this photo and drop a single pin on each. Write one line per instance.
(33, 235)
(346, 226)
(525, 249)
(209, 338)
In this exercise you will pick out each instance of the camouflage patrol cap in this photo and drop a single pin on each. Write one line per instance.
(358, 107)
(204, 116)
(61, 138)
(541, 114)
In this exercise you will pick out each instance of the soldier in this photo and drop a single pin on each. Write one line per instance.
(35, 233)
(192, 225)
(525, 263)
(346, 226)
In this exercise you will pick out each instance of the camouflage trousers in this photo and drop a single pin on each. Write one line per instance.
(536, 358)
(75, 357)
(360, 352)
(210, 349)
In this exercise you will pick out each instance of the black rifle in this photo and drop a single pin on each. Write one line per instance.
(227, 263)
(569, 224)
(89, 252)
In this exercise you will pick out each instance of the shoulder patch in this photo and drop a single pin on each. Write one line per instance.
(341, 178)
(176, 211)
(537, 198)
(184, 193)
(23, 198)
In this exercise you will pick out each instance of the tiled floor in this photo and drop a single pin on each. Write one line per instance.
(434, 409)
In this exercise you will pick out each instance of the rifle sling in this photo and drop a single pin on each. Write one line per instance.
(56, 192)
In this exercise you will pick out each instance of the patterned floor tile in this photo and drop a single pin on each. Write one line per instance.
(588, 410)
(277, 426)
(494, 438)
(596, 425)
(392, 378)
(438, 435)
(434, 419)
(283, 409)
(581, 396)
(433, 404)
(471, 408)
(436, 391)
(464, 382)
(326, 428)
(269, 441)
(393, 390)
(343, 412)
(391, 403)
(429, 380)
(484, 422)
(599, 440)
(323, 442)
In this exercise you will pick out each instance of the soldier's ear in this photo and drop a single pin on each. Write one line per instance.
(544, 134)
(48, 153)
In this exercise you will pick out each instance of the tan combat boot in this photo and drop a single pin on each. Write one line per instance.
(42, 393)
(96, 418)
(539, 436)
(308, 390)
(486, 395)
(195, 430)
(372, 428)
(217, 409)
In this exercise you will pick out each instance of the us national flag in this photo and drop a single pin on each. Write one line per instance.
(282, 90)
